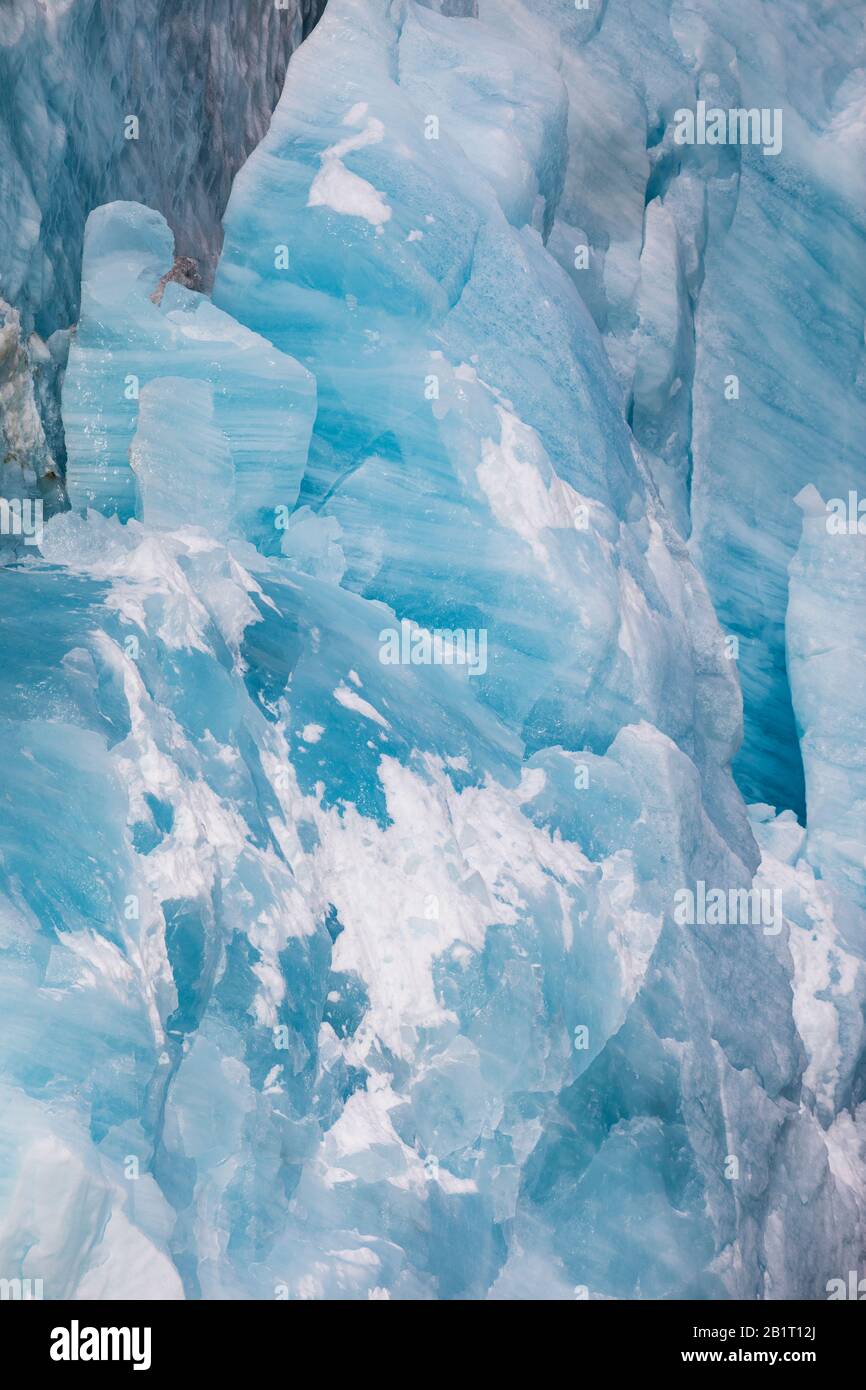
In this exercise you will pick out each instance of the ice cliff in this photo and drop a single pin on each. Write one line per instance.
(377, 716)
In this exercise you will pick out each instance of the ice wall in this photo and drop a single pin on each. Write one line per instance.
(356, 967)
(702, 263)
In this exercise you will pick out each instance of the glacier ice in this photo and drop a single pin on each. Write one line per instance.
(335, 976)
(126, 346)
(706, 262)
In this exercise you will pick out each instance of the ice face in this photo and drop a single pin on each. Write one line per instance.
(437, 405)
(402, 932)
(246, 942)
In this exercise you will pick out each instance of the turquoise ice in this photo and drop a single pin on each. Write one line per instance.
(368, 708)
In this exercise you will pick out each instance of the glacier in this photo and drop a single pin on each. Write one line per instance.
(413, 622)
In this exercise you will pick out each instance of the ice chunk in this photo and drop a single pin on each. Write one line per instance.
(263, 402)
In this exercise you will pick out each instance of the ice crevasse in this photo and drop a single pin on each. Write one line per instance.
(335, 974)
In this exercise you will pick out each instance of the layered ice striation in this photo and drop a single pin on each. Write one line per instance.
(361, 764)
(468, 450)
